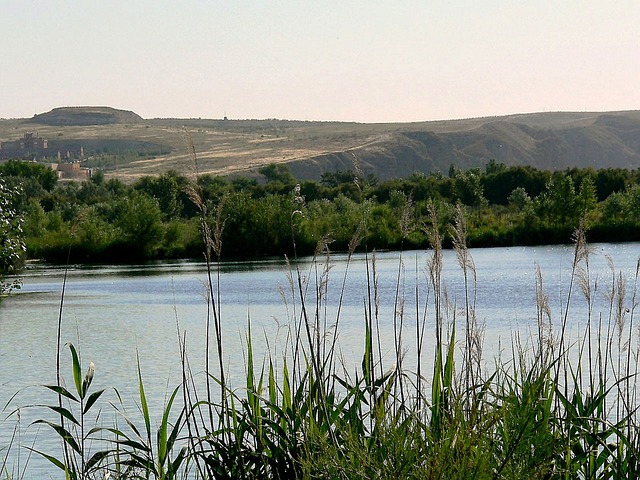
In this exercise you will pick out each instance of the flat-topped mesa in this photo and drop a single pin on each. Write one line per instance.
(84, 116)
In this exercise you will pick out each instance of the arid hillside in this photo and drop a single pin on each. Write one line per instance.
(78, 116)
(127, 146)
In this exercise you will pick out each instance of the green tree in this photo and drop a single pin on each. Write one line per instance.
(241, 183)
(492, 167)
(277, 173)
(587, 197)
(499, 182)
(519, 199)
(167, 189)
(140, 221)
(311, 190)
(97, 177)
(339, 177)
(42, 174)
(611, 180)
(423, 187)
(468, 188)
(12, 246)
(614, 209)
(92, 234)
(558, 204)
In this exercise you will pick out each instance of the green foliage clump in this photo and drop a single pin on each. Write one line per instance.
(106, 220)
(12, 245)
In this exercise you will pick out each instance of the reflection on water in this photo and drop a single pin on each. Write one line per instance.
(114, 314)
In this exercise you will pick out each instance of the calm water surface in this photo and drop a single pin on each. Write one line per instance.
(115, 314)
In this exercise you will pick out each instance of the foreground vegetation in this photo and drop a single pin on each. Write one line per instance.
(555, 408)
(105, 220)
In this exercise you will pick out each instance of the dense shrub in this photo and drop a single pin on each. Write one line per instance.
(505, 206)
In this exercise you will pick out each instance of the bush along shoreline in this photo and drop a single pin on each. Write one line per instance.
(103, 220)
(554, 408)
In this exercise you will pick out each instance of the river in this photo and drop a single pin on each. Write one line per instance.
(116, 315)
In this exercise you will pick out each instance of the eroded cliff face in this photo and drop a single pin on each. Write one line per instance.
(602, 141)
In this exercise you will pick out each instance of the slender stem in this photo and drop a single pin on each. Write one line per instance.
(67, 453)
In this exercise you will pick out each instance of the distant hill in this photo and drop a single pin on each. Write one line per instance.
(85, 116)
(547, 141)
(550, 140)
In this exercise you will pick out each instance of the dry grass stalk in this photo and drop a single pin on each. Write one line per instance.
(473, 332)
(582, 248)
(545, 326)
(621, 309)
(322, 246)
(357, 168)
(356, 238)
(191, 150)
(434, 266)
(219, 227)
(406, 220)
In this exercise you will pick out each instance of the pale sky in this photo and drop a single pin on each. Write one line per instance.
(347, 60)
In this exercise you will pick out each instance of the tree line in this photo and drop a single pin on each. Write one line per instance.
(106, 220)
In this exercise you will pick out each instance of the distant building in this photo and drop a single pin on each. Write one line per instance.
(30, 145)
(71, 171)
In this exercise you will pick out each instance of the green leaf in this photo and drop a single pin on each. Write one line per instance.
(63, 433)
(286, 388)
(77, 373)
(62, 391)
(143, 463)
(133, 444)
(175, 465)
(50, 458)
(175, 431)
(449, 365)
(143, 404)
(64, 412)
(163, 444)
(99, 429)
(272, 384)
(132, 426)
(96, 458)
(92, 399)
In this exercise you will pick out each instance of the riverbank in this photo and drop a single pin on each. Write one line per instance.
(162, 217)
